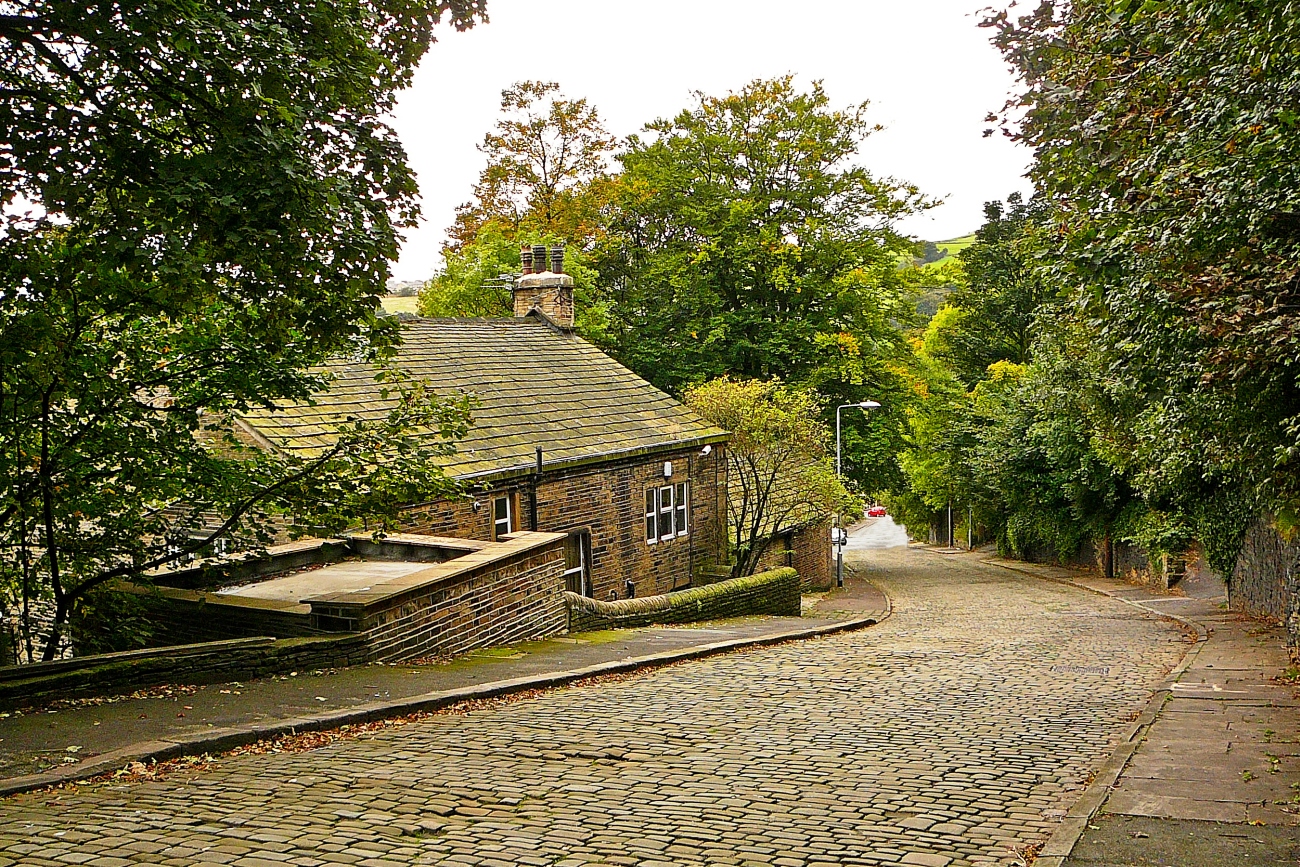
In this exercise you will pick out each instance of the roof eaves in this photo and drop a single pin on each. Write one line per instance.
(519, 470)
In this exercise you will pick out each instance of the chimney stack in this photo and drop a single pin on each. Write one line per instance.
(549, 292)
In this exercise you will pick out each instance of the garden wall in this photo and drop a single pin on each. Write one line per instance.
(212, 662)
(808, 551)
(774, 592)
(1266, 580)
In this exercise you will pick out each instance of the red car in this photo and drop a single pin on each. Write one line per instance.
(876, 512)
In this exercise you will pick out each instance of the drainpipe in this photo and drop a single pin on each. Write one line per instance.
(532, 494)
(690, 516)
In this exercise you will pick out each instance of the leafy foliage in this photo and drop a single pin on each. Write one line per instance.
(1167, 136)
(779, 469)
(744, 241)
(547, 161)
(200, 203)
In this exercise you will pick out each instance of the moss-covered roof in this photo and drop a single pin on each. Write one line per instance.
(534, 386)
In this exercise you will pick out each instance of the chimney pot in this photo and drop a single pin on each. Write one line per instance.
(557, 259)
(526, 259)
(539, 258)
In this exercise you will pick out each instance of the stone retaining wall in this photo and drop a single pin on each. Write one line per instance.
(189, 664)
(512, 602)
(808, 551)
(775, 592)
(1266, 580)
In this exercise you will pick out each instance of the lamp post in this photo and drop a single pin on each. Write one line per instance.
(840, 534)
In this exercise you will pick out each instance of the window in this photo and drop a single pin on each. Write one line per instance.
(577, 557)
(651, 515)
(683, 499)
(502, 518)
(667, 511)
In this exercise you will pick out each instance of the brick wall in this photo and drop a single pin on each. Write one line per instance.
(808, 551)
(509, 601)
(774, 592)
(1266, 580)
(608, 501)
(106, 675)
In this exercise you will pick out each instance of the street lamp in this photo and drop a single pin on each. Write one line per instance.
(839, 473)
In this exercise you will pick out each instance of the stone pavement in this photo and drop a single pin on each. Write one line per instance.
(1212, 776)
(957, 732)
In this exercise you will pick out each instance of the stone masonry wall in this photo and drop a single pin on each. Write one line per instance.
(1266, 580)
(513, 601)
(775, 592)
(608, 501)
(185, 617)
(808, 551)
(221, 664)
(813, 556)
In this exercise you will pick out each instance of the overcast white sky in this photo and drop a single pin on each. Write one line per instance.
(928, 70)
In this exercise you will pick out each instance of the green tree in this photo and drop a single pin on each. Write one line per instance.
(779, 471)
(200, 204)
(547, 161)
(1166, 137)
(744, 241)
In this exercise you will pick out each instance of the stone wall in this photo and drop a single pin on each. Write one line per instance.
(775, 592)
(219, 662)
(808, 551)
(608, 501)
(505, 592)
(508, 602)
(1266, 580)
(189, 616)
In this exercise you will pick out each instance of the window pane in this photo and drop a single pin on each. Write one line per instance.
(501, 523)
(682, 501)
(666, 512)
(651, 510)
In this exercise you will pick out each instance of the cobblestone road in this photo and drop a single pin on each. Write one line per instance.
(954, 733)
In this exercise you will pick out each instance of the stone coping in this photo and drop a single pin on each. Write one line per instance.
(58, 666)
(486, 556)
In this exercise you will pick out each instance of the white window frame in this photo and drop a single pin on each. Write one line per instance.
(652, 516)
(509, 518)
(682, 508)
(666, 508)
(667, 512)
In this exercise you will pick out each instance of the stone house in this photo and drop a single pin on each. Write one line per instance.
(564, 439)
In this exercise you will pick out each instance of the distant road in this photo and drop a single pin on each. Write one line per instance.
(877, 533)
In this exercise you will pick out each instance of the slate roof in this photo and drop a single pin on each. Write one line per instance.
(535, 385)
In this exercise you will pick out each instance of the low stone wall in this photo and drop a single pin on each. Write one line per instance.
(775, 592)
(211, 662)
(509, 591)
(1266, 580)
(188, 616)
(808, 551)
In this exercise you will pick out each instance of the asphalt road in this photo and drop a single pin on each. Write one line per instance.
(954, 733)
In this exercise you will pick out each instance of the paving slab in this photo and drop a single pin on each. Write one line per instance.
(1136, 841)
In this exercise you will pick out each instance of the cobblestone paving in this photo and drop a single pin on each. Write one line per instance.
(954, 733)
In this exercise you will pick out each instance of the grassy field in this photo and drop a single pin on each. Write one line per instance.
(953, 246)
(402, 304)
